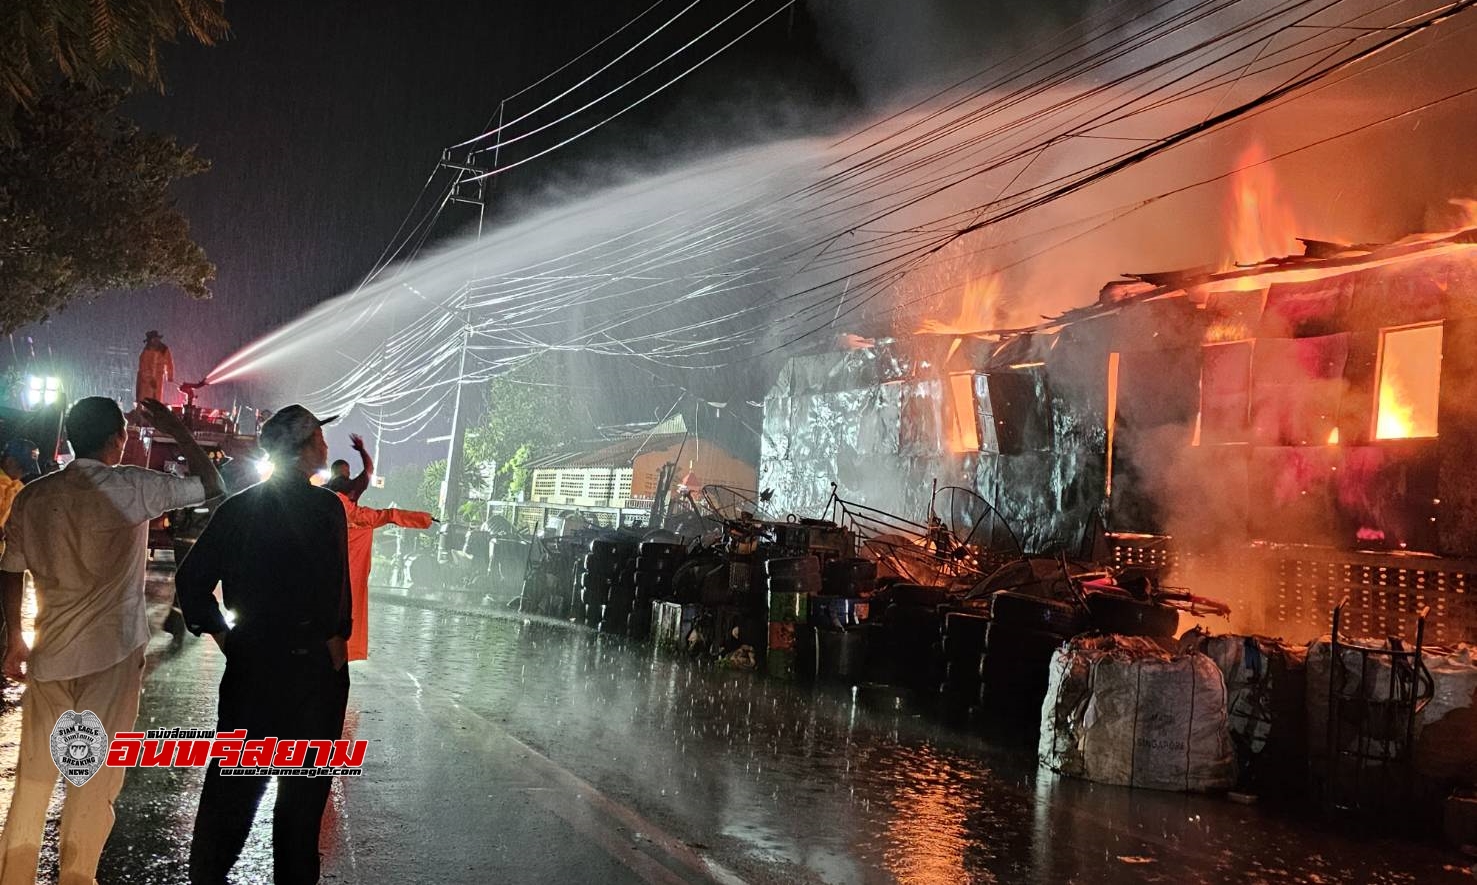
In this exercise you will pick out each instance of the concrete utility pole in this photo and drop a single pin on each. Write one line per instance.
(451, 486)
(470, 188)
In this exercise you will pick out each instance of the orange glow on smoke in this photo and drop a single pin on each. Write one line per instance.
(1409, 383)
(1466, 212)
(1263, 226)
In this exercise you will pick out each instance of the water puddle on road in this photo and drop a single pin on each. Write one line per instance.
(835, 784)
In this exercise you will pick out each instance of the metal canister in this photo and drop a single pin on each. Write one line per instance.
(841, 654)
(788, 607)
(782, 636)
(667, 621)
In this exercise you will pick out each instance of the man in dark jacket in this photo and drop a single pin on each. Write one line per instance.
(280, 552)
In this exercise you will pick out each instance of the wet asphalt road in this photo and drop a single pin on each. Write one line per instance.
(502, 750)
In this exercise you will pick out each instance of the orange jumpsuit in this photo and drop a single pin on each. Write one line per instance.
(362, 523)
(155, 366)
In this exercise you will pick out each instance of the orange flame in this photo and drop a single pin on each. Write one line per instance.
(976, 311)
(963, 423)
(1264, 226)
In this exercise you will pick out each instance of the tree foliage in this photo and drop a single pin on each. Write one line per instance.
(91, 43)
(85, 207)
(401, 489)
(428, 493)
(527, 414)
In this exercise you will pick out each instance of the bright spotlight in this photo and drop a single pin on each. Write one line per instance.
(264, 469)
(39, 390)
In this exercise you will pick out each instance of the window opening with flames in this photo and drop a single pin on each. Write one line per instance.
(1409, 382)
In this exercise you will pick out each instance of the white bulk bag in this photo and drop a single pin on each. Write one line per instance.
(1119, 710)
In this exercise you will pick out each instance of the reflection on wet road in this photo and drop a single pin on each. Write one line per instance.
(507, 750)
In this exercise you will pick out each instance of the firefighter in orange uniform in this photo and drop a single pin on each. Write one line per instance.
(155, 366)
(362, 523)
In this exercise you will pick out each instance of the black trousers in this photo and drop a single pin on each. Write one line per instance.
(279, 693)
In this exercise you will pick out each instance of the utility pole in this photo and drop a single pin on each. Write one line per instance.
(469, 189)
(451, 486)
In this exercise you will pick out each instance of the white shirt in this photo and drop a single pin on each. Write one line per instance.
(83, 532)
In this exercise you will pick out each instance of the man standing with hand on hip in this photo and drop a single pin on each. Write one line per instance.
(82, 533)
(280, 553)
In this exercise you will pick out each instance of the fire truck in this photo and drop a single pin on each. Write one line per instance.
(42, 426)
(235, 454)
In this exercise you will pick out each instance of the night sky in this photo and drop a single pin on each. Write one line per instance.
(323, 119)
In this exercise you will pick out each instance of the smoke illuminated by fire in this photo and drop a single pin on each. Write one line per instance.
(1263, 225)
(1466, 212)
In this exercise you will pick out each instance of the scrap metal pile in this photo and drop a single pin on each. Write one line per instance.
(1098, 657)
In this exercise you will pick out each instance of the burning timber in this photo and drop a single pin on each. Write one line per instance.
(1280, 436)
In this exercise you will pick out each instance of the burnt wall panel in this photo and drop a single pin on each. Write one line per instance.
(1225, 393)
(1078, 376)
(1458, 288)
(1158, 398)
(1457, 443)
(1306, 310)
(1047, 500)
(817, 431)
(1356, 408)
(1165, 324)
(1296, 388)
(1021, 409)
(1291, 495)
(1396, 296)
(1386, 496)
(1233, 316)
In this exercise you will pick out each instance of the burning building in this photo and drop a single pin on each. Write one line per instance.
(1281, 435)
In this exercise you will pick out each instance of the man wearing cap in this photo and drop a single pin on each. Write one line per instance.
(82, 533)
(17, 461)
(155, 366)
(280, 553)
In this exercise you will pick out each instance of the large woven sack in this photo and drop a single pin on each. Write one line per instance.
(1158, 724)
(1266, 685)
(1068, 690)
(1446, 729)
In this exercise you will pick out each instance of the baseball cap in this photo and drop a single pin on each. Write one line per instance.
(287, 430)
(23, 450)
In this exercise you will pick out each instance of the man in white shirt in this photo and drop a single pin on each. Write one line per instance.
(82, 533)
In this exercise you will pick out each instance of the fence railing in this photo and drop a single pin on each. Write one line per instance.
(530, 517)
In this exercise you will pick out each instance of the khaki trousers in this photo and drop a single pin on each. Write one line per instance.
(87, 814)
